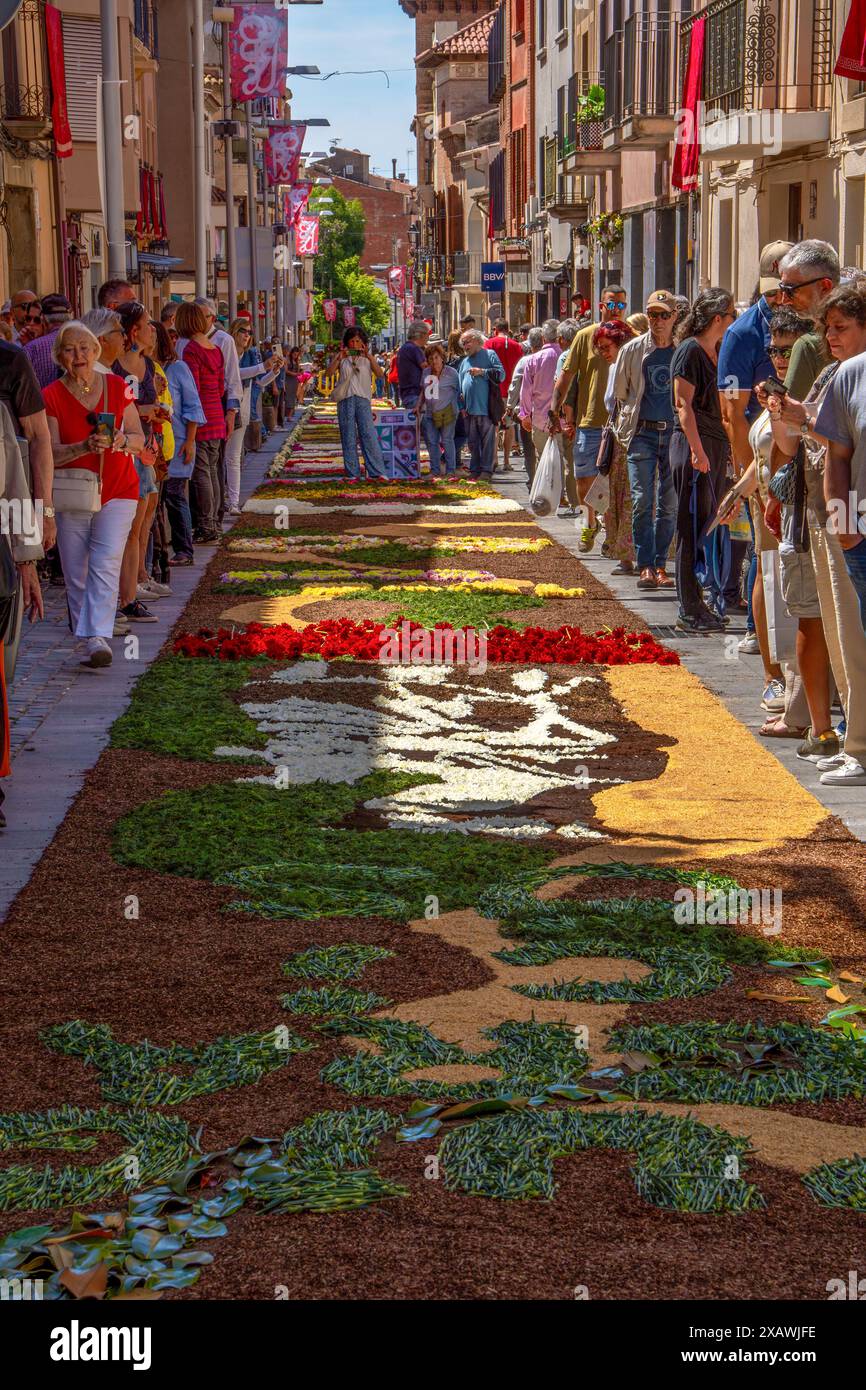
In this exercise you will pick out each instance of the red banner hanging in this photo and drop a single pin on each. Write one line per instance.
(162, 221)
(283, 154)
(259, 51)
(296, 202)
(329, 309)
(852, 50)
(57, 73)
(687, 138)
(397, 281)
(409, 306)
(308, 236)
(349, 318)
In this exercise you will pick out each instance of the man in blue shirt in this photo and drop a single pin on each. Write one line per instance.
(743, 358)
(411, 363)
(480, 373)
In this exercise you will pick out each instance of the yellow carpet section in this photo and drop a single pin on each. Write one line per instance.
(721, 792)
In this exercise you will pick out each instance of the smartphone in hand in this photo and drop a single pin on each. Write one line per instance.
(775, 387)
(105, 426)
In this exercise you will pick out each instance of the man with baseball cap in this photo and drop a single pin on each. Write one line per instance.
(642, 385)
(56, 310)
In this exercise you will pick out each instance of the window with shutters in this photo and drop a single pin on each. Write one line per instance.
(82, 56)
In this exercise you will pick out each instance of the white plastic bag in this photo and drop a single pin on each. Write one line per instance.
(781, 627)
(546, 487)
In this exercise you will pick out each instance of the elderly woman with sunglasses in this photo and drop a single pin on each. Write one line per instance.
(92, 543)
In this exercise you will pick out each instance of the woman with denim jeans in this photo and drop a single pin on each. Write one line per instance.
(357, 366)
(437, 409)
(186, 416)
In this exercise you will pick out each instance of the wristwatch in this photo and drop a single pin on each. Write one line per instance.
(48, 512)
(808, 425)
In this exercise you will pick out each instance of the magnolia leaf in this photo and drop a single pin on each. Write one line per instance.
(223, 1204)
(135, 1292)
(27, 1236)
(820, 980)
(203, 1228)
(850, 978)
(778, 998)
(92, 1283)
(173, 1278)
(426, 1130)
(192, 1257)
(837, 996)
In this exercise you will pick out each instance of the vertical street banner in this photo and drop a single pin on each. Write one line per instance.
(349, 316)
(258, 52)
(307, 243)
(329, 309)
(397, 281)
(296, 200)
(283, 154)
(57, 72)
(409, 306)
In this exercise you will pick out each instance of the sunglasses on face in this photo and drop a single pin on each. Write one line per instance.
(792, 289)
(614, 304)
(33, 315)
(783, 352)
(659, 314)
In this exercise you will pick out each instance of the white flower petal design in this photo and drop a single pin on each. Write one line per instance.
(479, 769)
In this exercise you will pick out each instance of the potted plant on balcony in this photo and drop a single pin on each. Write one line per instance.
(590, 118)
(605, 230)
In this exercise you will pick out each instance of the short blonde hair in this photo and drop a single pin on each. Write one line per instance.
(74, 326)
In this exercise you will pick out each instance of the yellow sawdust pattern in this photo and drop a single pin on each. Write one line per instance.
(781, 1140)
(272, 611)
(721, 792)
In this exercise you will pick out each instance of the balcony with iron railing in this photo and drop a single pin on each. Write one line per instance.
(567, 201)
(751, 108)
(641, 81)
(25, 89)
(582, 129)
(146, 26)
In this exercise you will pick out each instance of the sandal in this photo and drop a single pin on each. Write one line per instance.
(777, 728)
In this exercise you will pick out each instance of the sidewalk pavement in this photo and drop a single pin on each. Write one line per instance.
(61, 713)
(736, 679)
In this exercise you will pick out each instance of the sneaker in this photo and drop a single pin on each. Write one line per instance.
(664, 580)
(137, 613)
(158, 590)
(748, 645)
(648, 579)
(849, 774)
(814, 749)
(773, 698)
(703, 622)
(624, 567)
(181, 561)
(234, 511)
(828, 764)
(566, 510)
(98, 653)
(587, 538)
(144, 591)
(121, 625)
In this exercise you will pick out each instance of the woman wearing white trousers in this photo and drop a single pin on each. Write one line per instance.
(251, 367)
(92, 542)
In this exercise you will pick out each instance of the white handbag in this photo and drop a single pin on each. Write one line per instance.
(598, 495)
(79, 489)
(781, 627)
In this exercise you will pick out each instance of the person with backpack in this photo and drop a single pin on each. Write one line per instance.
(480, 372)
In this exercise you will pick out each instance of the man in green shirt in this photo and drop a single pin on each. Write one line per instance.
(588, 415)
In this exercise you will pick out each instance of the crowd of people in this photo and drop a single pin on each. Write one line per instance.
(733, 444)
(133, 429)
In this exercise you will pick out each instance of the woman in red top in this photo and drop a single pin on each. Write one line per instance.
(91, 543)
(205, 361)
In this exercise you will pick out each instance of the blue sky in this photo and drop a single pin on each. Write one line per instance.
(364, 113)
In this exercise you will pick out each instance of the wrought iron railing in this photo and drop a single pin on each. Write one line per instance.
(496, 70)
(743, 69)
(548, 192)
(580, 131)
(25, 92)
(146, 25)
(649, 64)
(612, 67)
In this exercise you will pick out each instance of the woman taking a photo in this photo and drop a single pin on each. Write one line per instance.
(699, 450)
(356, 367)
(205, 362)
(92, 542)
(135, 365)
(438, 408)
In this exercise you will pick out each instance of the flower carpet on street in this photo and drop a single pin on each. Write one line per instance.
(449, 940)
